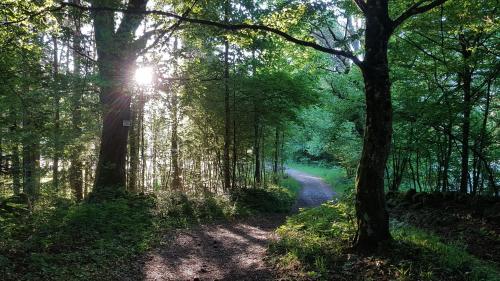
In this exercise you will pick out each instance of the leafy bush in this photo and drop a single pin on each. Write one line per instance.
(271, 199)
(181, 210)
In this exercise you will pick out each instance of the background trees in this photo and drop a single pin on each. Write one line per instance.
(226, 109)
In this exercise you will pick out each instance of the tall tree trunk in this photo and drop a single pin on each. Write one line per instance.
(30, 159)
(110, 172)
(174, 146)
(117, 52)
(227, 108)
(134, 136)
(235, 146)
(76, 168)
(16, 164)
(16, 170)
(371, 212)
(174, 140)
(446, 165)
(482, 135)
(276, 155)
(57, 108)
(256, 150)
(466, 79)
(143, 152)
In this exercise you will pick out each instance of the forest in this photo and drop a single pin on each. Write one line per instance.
(249, 140)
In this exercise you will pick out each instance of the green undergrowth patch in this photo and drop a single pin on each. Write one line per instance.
(316, 244)
(290, 184)
(271, 199)
(60, 240)
(63, 240)
(334, 176)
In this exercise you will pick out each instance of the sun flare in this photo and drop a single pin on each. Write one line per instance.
(144, 76)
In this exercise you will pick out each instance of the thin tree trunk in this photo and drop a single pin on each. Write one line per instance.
(466, 78)
(227, 108)
(174, 140)
(143, 154)
(76, 168)
(135, 130)
(446, 165)
(57, 108)
(276, 155)
(257, 172)
(481, 138)
(30, 160)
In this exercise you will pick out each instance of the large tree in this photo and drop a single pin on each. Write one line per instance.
(117, 52)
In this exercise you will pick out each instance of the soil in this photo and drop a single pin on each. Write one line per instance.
(228, 250)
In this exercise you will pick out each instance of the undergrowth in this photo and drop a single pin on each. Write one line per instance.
(315, 244)
(61, 240)
(274, 198)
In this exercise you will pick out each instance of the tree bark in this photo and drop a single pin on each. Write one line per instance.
(371, 212)
(116, 59)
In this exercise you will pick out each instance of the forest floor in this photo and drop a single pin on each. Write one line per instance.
(467, 222)
(228, 250)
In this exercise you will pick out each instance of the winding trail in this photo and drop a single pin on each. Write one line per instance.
(227, 250)
(314, 190)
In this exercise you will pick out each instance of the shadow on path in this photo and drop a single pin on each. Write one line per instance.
(227, 250)
(224, 251)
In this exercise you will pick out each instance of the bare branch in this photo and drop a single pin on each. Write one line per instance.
(415, 9)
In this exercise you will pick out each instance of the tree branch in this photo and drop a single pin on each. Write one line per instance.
(361, 5)
(415, 9)
(227, 26)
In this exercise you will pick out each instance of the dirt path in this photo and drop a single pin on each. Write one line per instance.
(314, 190)
(228, 250)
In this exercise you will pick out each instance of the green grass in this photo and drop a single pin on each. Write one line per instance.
(290, 184)
(334, 176)
(315, 244)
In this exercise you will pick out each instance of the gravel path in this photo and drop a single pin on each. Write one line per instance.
(314, 190)
(228, 250)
